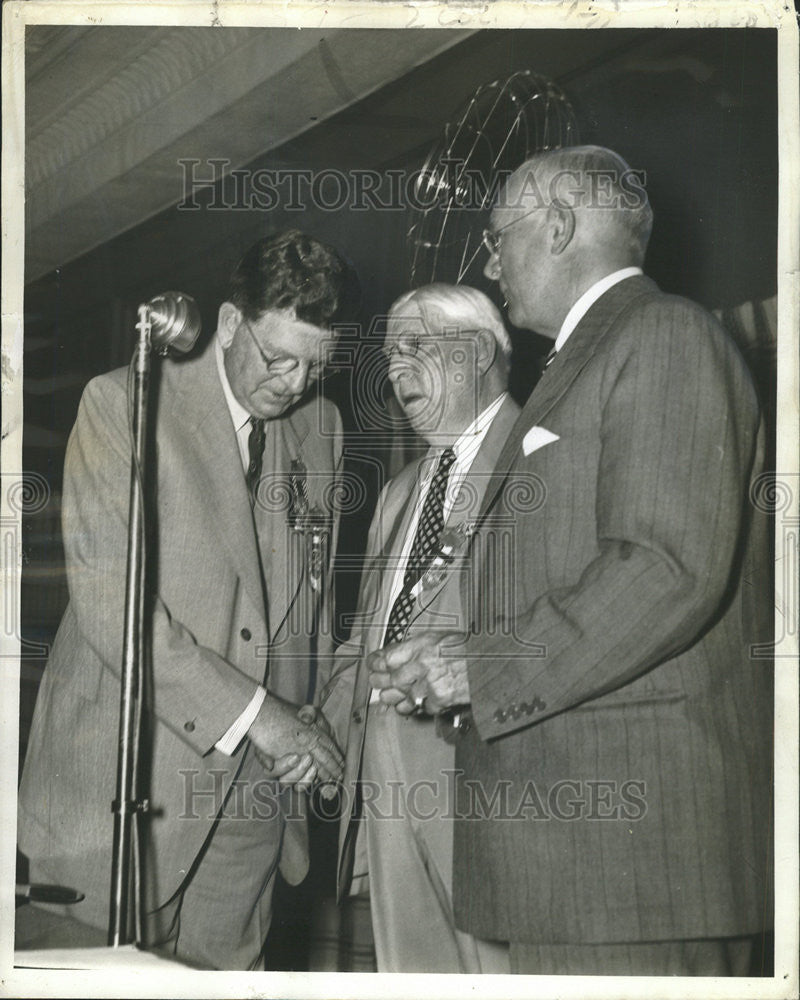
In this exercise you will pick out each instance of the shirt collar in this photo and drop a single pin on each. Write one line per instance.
(467, 442)
(478, 427)
(239, 414)
(587, 300)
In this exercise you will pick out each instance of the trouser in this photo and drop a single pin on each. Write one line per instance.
(710, 957)
(408, 823)
(220, 916)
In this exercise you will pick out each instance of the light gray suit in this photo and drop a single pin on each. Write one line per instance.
(407, 849)
(220, 625)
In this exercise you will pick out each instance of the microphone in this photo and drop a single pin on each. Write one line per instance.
(175, 322)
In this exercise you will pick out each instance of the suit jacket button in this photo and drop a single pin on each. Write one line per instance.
(246, 634)
(189, 727)
(357, 716)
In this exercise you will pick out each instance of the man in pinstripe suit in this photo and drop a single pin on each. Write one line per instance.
(619, 755)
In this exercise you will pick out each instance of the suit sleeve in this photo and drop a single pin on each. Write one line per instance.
(195, 691)
(678, 424)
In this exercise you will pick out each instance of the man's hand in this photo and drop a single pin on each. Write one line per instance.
(295, 746)
(422, 667)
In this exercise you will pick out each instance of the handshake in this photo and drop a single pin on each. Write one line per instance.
(296, 746)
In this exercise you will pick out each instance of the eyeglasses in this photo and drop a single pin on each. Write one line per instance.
(410, 345)
(491, 237)
(406, 347)
(284, 364)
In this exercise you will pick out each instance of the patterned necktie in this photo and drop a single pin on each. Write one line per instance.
(255, 450)
(431, 523)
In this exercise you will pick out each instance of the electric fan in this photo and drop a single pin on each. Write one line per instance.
(499, 127)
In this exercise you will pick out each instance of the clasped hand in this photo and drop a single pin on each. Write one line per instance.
(295, 746)
(424, 669)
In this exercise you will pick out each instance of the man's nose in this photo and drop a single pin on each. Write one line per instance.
(296, 380)
(398, 368)
(492, 269)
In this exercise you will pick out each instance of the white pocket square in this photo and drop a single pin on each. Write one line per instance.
(537, 437)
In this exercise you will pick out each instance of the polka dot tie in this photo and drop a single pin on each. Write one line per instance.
(429, 529)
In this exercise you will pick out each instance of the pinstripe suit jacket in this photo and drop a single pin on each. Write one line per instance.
(622, 723)
(213, 637)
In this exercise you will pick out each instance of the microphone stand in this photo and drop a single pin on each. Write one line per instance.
(169, 320)
(126, 804)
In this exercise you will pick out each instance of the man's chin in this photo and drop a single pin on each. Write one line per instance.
(515, 314)
(272, 410)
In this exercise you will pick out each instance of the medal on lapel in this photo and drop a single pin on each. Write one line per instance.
(311, 523)
(452, 541)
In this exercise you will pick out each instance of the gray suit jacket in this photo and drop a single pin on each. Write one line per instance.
(621, 722)
(212, 636)
(347, 695)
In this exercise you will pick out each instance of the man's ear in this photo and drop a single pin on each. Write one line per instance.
(228, 320)
(561, 225)
(486, 350)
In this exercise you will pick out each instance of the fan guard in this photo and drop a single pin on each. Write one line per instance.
(498, 128)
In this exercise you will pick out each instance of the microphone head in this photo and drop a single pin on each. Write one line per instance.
(175, 322)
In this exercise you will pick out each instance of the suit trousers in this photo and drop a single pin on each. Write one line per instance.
(712, 957)
(407, 785)
(221, 915)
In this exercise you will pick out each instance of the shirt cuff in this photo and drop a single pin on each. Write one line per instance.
(228, 743)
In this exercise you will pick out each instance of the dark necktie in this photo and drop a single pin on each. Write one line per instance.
(431, 522)
(255, 451)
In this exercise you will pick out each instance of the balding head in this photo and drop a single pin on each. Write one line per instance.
(565, 219)
(596, 182)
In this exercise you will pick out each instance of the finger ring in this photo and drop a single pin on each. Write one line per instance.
(419, 704)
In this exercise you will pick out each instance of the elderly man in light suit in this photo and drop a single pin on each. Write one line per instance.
(448, 357)
(617, 708)
(228, 665)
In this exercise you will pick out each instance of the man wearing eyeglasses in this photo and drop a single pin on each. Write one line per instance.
(238, 431)
(448, 356)
(620, 710)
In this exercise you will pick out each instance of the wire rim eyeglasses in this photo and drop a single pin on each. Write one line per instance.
(492, 237)
(316, 371)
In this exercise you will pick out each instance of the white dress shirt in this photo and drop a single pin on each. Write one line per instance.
(228, 743)
(588, 299)
(465, 449)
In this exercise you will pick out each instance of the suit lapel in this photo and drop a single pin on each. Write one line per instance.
(470, 495)
(200, 407)
(283, 549)
(568, 364)
(379, 569)
(398, 512)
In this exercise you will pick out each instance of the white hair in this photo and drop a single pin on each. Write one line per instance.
(445, 306)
